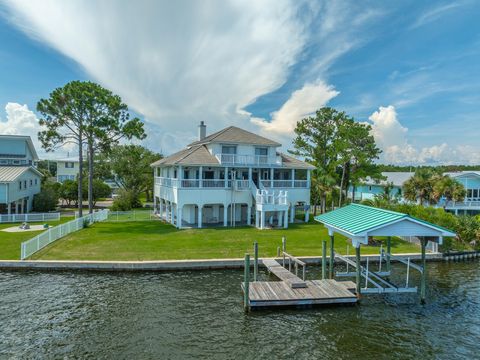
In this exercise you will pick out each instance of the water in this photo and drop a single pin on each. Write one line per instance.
(199, 314)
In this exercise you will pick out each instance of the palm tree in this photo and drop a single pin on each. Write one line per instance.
(448, 188)
(420, 186)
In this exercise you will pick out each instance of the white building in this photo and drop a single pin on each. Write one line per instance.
(232, 177)
(67, 169)
(19, 179)
(471, 204)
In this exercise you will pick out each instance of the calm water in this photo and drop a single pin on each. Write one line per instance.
(199, 314)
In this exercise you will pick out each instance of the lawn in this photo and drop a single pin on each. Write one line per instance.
(154, 240)
(10, 242)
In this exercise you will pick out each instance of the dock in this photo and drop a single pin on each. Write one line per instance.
(291, 290)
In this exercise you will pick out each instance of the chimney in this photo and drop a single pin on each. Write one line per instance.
(202, 130)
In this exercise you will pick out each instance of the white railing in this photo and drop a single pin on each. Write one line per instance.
(29, 217)
(30, 247)
(285, 183)
(234, 159)
(213, 183)
(242, 184)
(265, 197)
(220, 183)
(461, 204)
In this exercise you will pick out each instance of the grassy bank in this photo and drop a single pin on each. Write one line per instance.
(154, 240)
(10, 241)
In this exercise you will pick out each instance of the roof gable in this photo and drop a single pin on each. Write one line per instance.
(11, 173)
(195, 155)
(233, 134)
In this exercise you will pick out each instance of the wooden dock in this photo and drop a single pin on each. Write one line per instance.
(293, 291)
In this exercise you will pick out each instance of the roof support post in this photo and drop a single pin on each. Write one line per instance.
(332, 255)
(423, 243)
(324, 259)
(225, 176)
(200, 177)
(358, 272)
(271, 177)
(389, 249)
(293, 178)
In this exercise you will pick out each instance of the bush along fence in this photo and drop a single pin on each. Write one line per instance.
(30, 247)
(29, 217)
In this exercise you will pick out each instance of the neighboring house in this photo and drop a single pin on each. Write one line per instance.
(67, 169)
(370, 187)
(19, 179)
(471, 204)
(229, 178)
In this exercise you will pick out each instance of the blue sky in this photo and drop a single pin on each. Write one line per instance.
(411, 69)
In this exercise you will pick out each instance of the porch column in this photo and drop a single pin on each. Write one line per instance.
(249, 175)
(180, 175)
(226, 177)
(160, 210)
(279, 217)
(200, 176)
(16, 207)
(200, 211)
(154, 204)
(249, 215)
(332, 255)
(172, 213)
(179, 216)
(307, 213)
(9, 208)
(271, 177)
(285, 219)
(270, 220)
(257, 218)
(225, 215)
(293, 178)
(292, 213)
(308, 178)
(262, 219)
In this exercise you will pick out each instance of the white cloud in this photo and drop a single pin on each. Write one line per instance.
(392, 138)
(302, 103)
(435, 13)
(21, 120)
(180, 62)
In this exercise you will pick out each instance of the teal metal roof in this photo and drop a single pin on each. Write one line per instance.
(356, 219)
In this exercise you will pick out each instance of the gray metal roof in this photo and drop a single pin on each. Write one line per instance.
(195, 155)
(11, 173)
(462, 173)
(397, 178)
(233, 134)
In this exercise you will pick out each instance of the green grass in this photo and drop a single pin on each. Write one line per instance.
(10, 242)
(154, 240)
(132, 215)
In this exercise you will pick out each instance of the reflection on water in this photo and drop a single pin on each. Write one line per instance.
(200, 314)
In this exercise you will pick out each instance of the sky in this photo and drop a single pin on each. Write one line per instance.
(411, 69)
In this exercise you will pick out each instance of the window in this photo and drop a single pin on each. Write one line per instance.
(25, 184)
(208, 175)
(69, 165)
(469, 193)
(229, 149)
(31, 182)
(20, 185)
(36, 181)
(370, 188)
(263, 151)
(475, 193)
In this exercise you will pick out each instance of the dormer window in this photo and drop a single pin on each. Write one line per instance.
(229, 149)
(261, 151)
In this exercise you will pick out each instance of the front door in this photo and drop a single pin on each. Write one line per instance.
(255, 177)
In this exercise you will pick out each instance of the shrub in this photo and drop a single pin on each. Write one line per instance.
(126, 200)
(46, 200)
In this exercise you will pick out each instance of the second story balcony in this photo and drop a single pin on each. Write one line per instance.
(228, 184)
(246, 160)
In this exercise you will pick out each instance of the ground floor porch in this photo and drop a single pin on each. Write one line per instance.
(19, 206)
(224, 215)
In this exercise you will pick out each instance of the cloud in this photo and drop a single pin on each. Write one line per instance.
(21, 120)
(434, 14)
(181, 62)
(392, 138)
(302, 103)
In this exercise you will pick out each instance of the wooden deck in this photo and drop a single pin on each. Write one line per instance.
(293, 291)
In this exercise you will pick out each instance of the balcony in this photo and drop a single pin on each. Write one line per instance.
(285, 183)
(248, 160)
(264, 197)
(220, 183)
(464, 205)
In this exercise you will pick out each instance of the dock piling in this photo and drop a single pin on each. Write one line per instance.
(324, 259)
(359, 269)
(246, 282)
(389, 251)
(255, 263)
(332, 256)
(423, 243)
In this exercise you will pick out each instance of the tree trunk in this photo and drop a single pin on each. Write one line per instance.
(341, 186)
(90, 177)
(80, 172)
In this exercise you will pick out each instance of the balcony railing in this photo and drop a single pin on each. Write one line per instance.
(238, 160)
(220, 183)
(265, 197)
(461, 204)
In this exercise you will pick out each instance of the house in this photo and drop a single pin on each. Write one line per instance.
(471, 204)
(19, 179)
(67, 169)
(370, 187)
(229, 178)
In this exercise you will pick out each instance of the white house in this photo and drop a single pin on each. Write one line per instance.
(229, 178)
(67, 169)
(19, 179)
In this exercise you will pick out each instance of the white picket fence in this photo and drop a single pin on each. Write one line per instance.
(30, 247)
(29, 217)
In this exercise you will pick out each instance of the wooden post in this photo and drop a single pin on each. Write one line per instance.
(246, 280)
(359, 268)
(423, 242)
(389, 251)
(332, 256)
(278, 251)
(284, 243)
(255, 264)
(324, 259)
